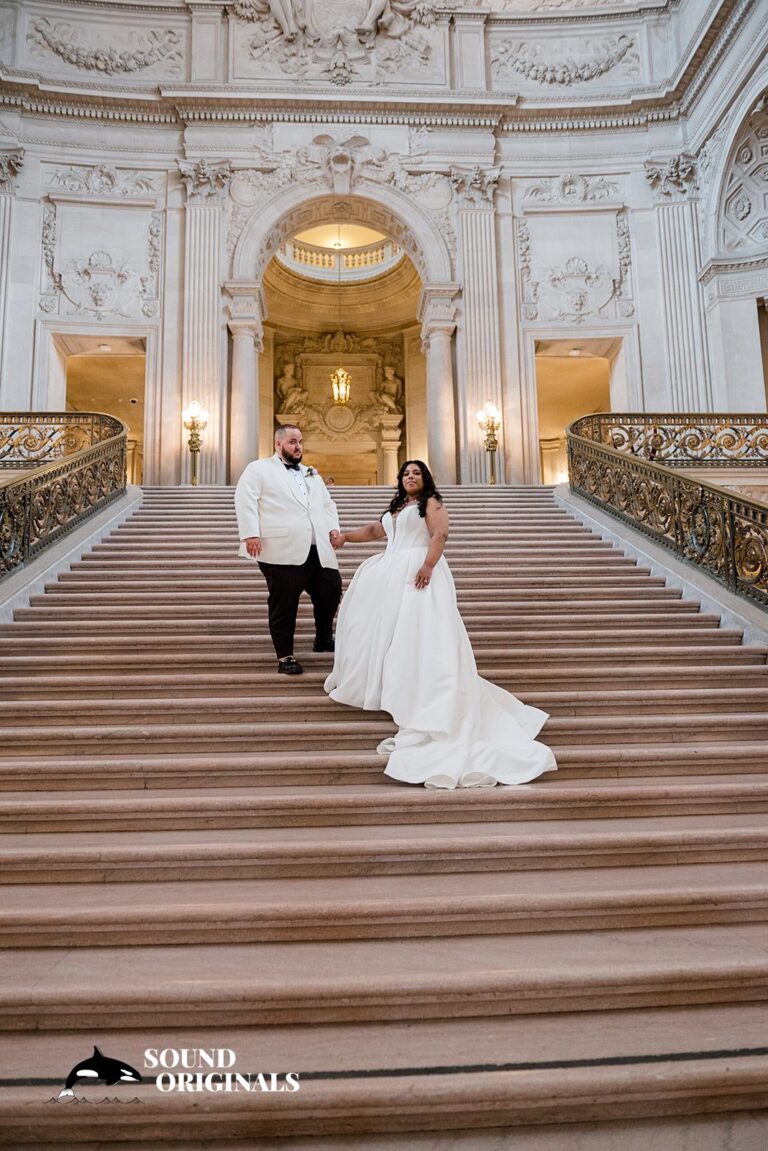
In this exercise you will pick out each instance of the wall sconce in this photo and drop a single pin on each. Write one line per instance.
(489, 419)
(195, 421)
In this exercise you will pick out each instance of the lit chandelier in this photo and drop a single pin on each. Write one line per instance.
(340, 386)
(341, 381)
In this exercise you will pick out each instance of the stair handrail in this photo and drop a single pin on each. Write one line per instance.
(632, 465)
(73, 464)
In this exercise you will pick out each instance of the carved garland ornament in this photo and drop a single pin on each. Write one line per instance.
(572, 188)
(673, 177)
(548, 64)
(62, 40)
(11, 164)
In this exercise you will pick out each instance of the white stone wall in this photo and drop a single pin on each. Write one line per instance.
(553, 168)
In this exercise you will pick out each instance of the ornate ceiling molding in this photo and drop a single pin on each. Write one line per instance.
(29, 93)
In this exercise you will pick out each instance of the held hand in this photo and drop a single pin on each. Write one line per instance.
(338, 539)
(253, 546)
(423, 576)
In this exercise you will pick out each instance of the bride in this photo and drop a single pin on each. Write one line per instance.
(401, 647)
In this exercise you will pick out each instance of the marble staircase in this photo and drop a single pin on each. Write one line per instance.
(197, 853)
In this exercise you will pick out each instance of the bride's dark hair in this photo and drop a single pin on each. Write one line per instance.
(429, 488)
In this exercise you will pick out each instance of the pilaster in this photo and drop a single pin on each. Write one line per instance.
(687, 357)
(11, 163)
(202, 359)
(481, 346)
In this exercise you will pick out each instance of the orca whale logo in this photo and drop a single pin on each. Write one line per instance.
(97, 1068)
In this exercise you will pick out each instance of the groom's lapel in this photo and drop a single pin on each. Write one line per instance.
(288, 482)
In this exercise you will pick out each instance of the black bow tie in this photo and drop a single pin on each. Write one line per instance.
(293, 467)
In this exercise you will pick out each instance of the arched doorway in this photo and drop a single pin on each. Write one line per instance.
(342, 302)
(428, 421)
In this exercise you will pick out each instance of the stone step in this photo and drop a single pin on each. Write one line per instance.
(131, 855)
(143, 766)
(545, 620)
(160, 684)
(294, 733)
(318, 707)
(368, 907)
(492, 663)
(156, 806)
(524, 1079)
(447, 977)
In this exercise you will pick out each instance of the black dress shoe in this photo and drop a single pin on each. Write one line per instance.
(324, 645)
(289, 666)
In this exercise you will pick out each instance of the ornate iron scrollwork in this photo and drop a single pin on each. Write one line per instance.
(73, 464)
(632, 465)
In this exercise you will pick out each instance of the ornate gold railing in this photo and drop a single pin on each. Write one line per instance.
(72, 464)
(631, 465)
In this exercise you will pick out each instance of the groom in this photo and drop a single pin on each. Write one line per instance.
(288, 522)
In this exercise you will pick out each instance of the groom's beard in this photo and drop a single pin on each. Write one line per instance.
(291, 459)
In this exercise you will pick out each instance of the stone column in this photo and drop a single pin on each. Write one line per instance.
(10, 165)
(390, 448)
(481, 342)
(436, 313)
(202, 356)
(686, 353)
(245, 324)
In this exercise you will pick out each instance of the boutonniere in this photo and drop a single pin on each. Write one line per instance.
(309, 473)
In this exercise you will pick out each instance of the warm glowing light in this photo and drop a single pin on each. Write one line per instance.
(195, 414)
(489, 418)
(341, 382)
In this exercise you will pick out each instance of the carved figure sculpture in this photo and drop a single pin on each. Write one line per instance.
(291, 396)
(288, 15)
(387, 397)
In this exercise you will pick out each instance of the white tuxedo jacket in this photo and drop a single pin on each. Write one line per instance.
(269, 505)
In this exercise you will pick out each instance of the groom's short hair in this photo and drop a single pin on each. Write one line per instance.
(284, 429)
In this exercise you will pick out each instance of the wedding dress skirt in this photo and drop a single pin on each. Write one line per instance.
(406, 651)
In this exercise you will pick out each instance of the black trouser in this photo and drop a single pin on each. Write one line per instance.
(285, 583)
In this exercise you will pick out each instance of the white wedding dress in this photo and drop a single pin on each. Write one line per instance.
(406, 651)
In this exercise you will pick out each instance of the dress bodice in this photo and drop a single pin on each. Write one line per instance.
(407, 529)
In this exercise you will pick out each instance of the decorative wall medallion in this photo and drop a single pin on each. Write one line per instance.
(144, 50)
(572, 189)
(579, 288)
(103, 180)
(673, 177)
(561, 63)
(100, 285)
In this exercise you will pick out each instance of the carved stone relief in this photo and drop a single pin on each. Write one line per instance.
(341, 40)
(11, 164)
(475, 187)
(563, 63)
(570, 189)
(579, 287)
(204, 182)
(101, 283)
(743, 213)
(136, 53)
(672, 178)
(372, 408)
(102, 180)
(341, 166)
